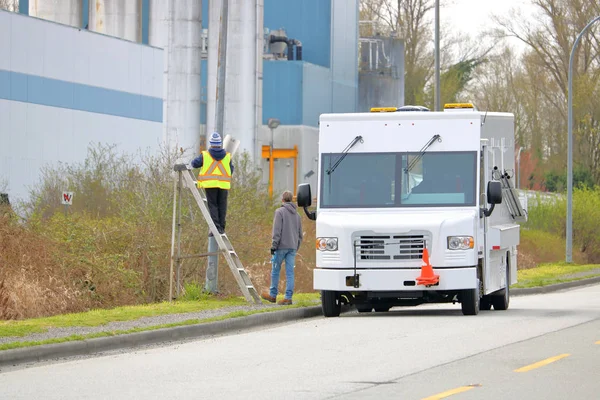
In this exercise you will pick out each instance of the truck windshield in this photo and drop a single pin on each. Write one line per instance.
(366, 180)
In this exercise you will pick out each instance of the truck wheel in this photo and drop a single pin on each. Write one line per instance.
(330, 301)
(501, 299)
(363, 308)
(485, 304)
(470, 301)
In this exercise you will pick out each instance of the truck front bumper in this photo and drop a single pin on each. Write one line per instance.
(392, 279)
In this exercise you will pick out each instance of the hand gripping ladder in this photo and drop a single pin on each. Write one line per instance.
(225, 246)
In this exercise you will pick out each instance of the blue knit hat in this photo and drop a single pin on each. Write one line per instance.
(215, 140)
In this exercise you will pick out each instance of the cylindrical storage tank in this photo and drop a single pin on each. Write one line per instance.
(175, 26)
(119, 18)
(67, 12)
(240, 88)
(241, 72)
(214, 19)
(260, 44)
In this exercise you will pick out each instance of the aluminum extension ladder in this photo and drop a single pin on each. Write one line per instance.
(225, 246)
(511, 196)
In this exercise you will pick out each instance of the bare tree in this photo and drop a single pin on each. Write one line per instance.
(546, 64)
(408, 20)
(412, 21)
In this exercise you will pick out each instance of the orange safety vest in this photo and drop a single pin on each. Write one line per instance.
(215, 174)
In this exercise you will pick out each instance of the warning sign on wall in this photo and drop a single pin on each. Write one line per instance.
(67, 198)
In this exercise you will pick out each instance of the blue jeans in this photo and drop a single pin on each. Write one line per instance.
(289, 255)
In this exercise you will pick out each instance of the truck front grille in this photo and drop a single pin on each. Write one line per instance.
(391, 247)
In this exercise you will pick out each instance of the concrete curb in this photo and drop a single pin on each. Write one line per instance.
(132, 340)
(554, 288)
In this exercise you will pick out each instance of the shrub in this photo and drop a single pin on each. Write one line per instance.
(550, 216)
(113, 245)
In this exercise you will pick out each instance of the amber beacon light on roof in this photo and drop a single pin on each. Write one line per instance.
(403, 108)
(459, 106)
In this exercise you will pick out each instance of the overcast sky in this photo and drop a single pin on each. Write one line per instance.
(473, 16)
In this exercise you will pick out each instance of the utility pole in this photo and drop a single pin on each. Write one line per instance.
(437, 106)
(212, 277)
(569, 255)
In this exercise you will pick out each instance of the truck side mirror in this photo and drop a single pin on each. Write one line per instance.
(304, 197)
(494, 192)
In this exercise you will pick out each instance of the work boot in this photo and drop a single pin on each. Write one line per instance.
(285, 302)
(268, 297)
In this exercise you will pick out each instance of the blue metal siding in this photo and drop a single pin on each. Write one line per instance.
(316, 93)
(85, 14)
(145, 21)
(282, 91)
(56, 93)
(306, 20)
(24, 7)
(204, 16)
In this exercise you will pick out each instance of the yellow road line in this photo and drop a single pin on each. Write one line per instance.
(451, 392)
(598, 342)
(541, 363)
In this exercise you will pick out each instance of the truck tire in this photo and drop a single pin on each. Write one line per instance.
(485, 304)
(501, 299)
(331, 304)
(470, 301)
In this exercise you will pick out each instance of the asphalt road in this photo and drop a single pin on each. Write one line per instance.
(544, 347)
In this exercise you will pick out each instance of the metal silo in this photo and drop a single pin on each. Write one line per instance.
(119, 18)
(66, 12)
(241, 110)
(175, 26)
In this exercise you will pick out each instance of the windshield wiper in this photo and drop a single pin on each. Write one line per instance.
(422, 151)
(344, 153)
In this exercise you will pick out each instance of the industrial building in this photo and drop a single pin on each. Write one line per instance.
(142, 73)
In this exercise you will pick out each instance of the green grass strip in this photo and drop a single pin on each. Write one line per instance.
(102, 317)
(550, 274)
(231, 315)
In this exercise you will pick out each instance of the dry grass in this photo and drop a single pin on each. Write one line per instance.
(539, 247)
(113, 248)
(31, 282)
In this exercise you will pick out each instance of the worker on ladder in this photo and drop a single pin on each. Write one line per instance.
(215, 177)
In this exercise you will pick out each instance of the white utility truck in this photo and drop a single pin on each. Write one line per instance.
(415, 206)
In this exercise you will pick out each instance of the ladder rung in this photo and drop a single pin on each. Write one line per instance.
(223, 242)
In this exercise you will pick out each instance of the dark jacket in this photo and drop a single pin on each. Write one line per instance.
(217, 154)
(287, 227)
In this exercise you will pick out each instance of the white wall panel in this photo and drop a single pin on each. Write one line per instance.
(81, 59)
(57, 59)
(135, 70)
(5, 149)
(5, 39)
(157, 72)
(147, 74)
(18, 49)
(33, 40)
(47, 49)
(65, 136)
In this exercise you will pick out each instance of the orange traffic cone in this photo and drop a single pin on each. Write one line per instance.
(427, 277)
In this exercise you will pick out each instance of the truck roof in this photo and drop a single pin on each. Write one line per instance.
(412, 115)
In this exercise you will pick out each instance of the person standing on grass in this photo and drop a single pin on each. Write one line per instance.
(287, 238)
(215, 177)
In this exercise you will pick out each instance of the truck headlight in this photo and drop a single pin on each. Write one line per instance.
(327, 244)
(460, 242)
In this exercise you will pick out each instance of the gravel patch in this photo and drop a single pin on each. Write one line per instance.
(584, 274)
(54, 333)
